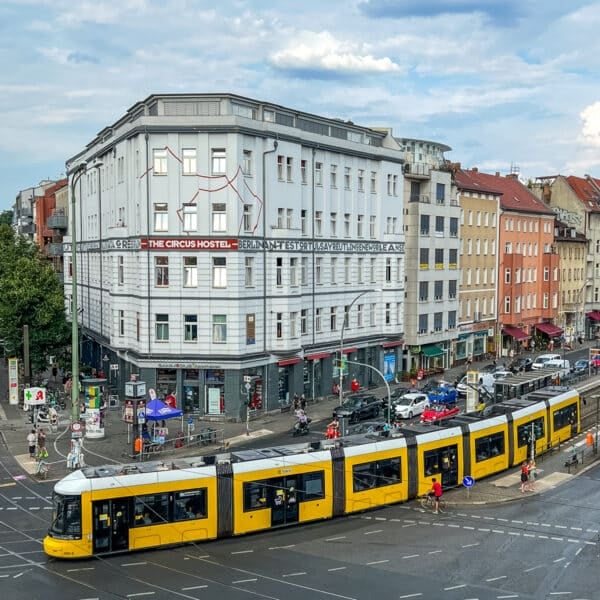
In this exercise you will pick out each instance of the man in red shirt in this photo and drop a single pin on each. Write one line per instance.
(436, 492)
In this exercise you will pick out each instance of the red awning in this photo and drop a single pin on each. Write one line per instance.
(549, 329)
(317, 356)
(594, 315)
(392, 344)
(516, 333)
(289, 361)
(349, 350)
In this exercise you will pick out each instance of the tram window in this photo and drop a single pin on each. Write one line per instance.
(66, 520)
(312, 486)
(255, 495)
(564, 417)
(151, 509)
(524, 431)
(377, 473)
(489, 446)
(190, 504)
(440, 460)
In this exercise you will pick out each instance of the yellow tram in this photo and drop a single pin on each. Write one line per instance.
(120, 508)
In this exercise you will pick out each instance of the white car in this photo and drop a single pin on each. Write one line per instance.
(411, 404)
(500, 375)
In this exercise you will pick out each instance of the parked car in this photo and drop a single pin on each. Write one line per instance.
(410, 405)
(581, 367)
(493, 367)
(485, 383)
(439, 412)
(521, 364)
(433, 384)
(445, 394)
(358, 408)
(500, 375)
(539, 362)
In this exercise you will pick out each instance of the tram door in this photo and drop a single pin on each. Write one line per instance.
(284, 500)
(111, 525)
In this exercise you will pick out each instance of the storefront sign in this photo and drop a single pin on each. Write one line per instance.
(294, 245)
(188, 244)
(13, 381)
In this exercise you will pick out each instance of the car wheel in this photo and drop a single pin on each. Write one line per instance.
(410, 415)
(376, 412)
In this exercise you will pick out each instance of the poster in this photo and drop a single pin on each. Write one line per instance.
(214, 400)
(389, 365)
(13, 381)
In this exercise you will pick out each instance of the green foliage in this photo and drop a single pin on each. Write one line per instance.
(6, 217)
(31, 295)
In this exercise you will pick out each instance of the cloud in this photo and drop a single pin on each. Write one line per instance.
(499, 11)
(100, 12)
(590, 130)
(323, 52)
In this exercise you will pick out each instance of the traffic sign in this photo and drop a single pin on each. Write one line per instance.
(468, 481)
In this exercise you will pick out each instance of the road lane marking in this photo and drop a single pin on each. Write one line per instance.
(243, 552)
(140, 594)
(298, 574)
(80, 569)
(496, 578)
(377, 562)
(374, 531)
(134, 564)
(559, 560)
(410, 556)
(333, 539)
(534, 568)
(455, 587)
(410, 596)
(244, 581)
(337, 569)
(194, 587)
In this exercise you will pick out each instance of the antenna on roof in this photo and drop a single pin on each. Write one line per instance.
(514, 169)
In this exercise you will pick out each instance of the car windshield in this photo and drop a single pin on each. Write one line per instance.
(581, 363)
(404, 401)
(352, 403)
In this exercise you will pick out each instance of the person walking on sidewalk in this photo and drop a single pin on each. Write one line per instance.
(41, 442)
(531, 474)
(31, 442)
(524, 476)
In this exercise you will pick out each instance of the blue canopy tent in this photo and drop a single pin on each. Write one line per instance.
(157, 410)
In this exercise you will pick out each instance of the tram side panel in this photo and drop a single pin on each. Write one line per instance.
(277, 492)
(440, 455)
(376, 474)
(488, 449)
(529, 430)
(565, 417)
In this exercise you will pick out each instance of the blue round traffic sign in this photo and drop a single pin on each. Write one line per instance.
(190, 421)
(468, 481)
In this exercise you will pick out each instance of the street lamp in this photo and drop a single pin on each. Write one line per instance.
(76, 175)
(346, 319)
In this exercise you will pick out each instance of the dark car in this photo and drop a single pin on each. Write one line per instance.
(581, 367)
(358, 408)
(521, 364)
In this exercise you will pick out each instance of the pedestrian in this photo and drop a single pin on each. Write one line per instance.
(531, 474)
(41, 442)
(436, 491)
(524, 476)
(31, 442)
(302, 402)
(296, 402)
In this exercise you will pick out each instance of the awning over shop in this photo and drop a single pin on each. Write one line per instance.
(549, 329)
(392, 344)
(431, 351)
(317, 356)
(289, 361)
(516, 333)
(349, 350)
(594, 315)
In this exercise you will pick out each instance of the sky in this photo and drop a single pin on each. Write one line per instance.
(506, 84)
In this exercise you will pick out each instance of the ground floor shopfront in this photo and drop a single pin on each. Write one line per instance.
(223, 390)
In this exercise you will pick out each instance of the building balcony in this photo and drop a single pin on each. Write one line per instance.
(57, 221)
(27, 229)
(55, 249)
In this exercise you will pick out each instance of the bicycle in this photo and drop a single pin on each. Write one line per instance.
(42, 469)
(428, 503)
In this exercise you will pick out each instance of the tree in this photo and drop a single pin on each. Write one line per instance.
(31, 295)
(6, 217)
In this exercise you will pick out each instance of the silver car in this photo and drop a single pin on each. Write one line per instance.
(410, 405)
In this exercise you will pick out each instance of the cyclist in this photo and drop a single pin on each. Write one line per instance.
(436, 493)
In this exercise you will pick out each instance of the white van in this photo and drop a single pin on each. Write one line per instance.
(542, 359)
(560, 368)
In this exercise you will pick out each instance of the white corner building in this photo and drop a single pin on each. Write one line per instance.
(222, 241)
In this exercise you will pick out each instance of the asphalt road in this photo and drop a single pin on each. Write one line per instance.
(542, 547)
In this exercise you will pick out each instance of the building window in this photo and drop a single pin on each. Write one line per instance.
(249, 271)
(546, 274)
(279, 271)
(247, 162)
(388, 313)
(373, 182)
(219, 272)
(280, 167)
(333, 318)
(138, 326)
(373, 270)
(346, 270)
(190, 271)
(439, 226)
(190, 324)
(318, 222)
(189, 161)
(361, 180)
(318, 320)
(507, 274)
(389, 184)
(318, 173)
(333, 224)
(372, 314)
(161, 325)
(347, 178)
(423, 291)
(304, 270)
(423, 323)
(161, 271)
(453, 227)
(159, 161)
(318, 270)
(388, 269)
(507, 305)
(278, 325)
(452, 319)
(247, 218)
(440, 193)
(372, 226)
(219, 161)
(293, 324)
(452, 283)
(424, 224)
(219, 218)
(438, 290)
(190, 217)
(289, 162)
(437, 321)
(121, 323)
(333, 175)
(120, 270)
(346, 224)
(303, 170)
(395, 185)
(161, 217)
(334, 264)
(289, 217)
(423, 258)
(360, 222)
(361, 270)
(303, 221)
(219, 329)
(359, 315)
(304, 321)
(293, 272)
(439, 258)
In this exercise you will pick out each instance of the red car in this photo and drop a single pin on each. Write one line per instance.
(439, 412)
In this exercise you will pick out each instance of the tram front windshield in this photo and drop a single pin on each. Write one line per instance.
(66, 517)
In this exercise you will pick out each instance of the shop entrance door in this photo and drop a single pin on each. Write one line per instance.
(283, 501)
(111, 525)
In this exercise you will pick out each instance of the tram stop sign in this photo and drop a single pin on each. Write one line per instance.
(468, 481)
